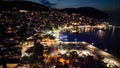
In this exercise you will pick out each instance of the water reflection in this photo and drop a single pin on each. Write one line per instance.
(84, 34)
(87, 29)
(113, 30)
(103, 39)
(100, 34)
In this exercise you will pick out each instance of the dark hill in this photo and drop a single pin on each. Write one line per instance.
(27, 5)
(8, 5)
(86, 11)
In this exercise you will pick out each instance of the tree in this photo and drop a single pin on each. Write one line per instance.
(33, 59)
(36, 58)
(38, 49)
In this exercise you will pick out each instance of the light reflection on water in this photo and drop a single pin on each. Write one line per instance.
(100, 34)
(84, 32)
(103, 39)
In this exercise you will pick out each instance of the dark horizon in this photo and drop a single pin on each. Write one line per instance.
(104, 5)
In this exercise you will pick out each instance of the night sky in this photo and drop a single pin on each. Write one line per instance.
(100, 4)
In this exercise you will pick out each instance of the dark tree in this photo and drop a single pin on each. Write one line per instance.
(36, 58)
(38, 49)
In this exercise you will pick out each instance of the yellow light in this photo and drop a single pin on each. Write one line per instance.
(62, 60)
(23, 11)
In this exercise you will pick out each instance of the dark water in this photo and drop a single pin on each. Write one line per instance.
(103, 39)
(115, 21)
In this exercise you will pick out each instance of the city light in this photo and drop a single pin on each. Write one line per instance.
(23, 11)
(53, 38)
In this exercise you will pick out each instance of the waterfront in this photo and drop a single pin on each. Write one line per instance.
(106, 40)
(49, 38)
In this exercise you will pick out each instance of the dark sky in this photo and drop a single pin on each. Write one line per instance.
(100, 4)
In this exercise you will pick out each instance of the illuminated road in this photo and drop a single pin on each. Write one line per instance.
(111, 59)
(50, 60)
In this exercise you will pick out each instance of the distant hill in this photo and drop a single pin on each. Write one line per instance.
(86, 11)
(8, 5)
(28, 5)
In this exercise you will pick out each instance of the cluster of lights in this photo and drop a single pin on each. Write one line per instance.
(25, 54)
(109, 63)
(85, 52)
(23, 11)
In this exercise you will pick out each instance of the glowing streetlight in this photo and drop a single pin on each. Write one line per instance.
(92, 43)
(75, 39)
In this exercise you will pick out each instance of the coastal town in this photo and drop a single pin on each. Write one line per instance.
(35, 39)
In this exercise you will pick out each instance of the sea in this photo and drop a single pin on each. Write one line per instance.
(108, 40)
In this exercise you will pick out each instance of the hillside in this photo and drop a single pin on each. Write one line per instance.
(86, 11)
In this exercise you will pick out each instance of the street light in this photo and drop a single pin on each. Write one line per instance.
(66, 40)
(92, 43)
(105, 49)
(75, 40)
